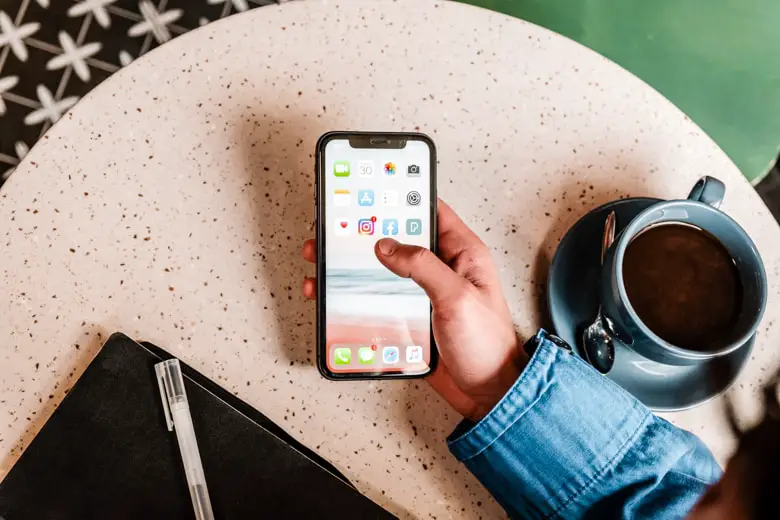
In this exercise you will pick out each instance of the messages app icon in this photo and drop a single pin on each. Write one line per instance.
(366, 355)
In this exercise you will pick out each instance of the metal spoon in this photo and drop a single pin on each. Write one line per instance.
(597, 342)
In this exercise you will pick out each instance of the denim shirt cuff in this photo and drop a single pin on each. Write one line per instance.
(469, 438)
(561, 426)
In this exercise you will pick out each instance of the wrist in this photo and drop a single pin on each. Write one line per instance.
(500, 383)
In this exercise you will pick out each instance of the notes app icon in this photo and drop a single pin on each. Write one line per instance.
(342, 198)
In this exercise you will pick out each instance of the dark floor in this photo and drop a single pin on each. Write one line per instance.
(52, 52)
(769, 189)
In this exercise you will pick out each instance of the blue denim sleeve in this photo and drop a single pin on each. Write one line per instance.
(566, 442)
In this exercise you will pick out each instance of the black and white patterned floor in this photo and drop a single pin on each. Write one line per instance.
(52, 52)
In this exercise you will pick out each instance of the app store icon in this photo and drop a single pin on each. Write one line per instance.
(413, 226)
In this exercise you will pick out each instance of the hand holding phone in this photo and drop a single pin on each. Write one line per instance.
(480, 353)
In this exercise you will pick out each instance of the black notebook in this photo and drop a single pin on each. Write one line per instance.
(106, 453)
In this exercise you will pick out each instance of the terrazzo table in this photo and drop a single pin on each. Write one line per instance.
(172, 202)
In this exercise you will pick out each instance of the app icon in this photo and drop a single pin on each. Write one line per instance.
(366, 226)
(413, 198)
(413, 170)
(366, 197)
(390, 198)
(366, 168)
(390, 355)
(342, 355)
(413, 226)
(414, 354)
(366, 355)
(341, 227)
(390, 168)
(342, 197)
(390, 227)
(341, 168)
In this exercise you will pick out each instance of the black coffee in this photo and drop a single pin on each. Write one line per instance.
(684, 285)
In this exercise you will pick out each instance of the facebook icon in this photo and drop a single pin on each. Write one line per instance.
(390, 227)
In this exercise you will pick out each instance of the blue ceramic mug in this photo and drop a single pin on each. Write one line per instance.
(700, 210)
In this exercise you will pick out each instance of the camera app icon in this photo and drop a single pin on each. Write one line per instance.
(413, 170)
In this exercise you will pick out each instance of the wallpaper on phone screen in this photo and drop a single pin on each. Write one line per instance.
(375, 320)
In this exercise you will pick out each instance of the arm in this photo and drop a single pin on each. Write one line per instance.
(566, 442)
(547, 435)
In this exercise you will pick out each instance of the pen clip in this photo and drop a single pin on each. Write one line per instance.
(159, 370)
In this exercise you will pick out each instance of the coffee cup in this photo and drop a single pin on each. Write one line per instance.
(647, 337)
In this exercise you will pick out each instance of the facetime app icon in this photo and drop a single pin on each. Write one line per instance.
(341, 168)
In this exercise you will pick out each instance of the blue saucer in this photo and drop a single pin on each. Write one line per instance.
(572, 296)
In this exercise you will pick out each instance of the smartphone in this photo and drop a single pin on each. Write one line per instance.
(372, 324)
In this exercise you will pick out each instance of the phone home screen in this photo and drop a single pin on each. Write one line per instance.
(376, 322)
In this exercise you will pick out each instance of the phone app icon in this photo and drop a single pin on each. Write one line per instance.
(413, 198)
(414, 354)
(390, 198)
(413, 170)
(413, 226)
(366, 226)
(342, 355)
(366, 168)
(366, 197)
(341, 168)
(390, 168)
(390, 355)
(390, 227)
(342, 198)
(341, 227)
(366, 355)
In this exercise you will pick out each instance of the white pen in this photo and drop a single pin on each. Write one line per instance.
(178, 417)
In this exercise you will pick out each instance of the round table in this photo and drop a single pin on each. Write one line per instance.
(172, 202)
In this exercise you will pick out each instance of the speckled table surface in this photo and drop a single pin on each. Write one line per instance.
(172, 201)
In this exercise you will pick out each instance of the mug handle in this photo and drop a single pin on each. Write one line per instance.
(708, 190)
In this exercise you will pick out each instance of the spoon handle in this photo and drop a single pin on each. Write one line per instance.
(609, 234)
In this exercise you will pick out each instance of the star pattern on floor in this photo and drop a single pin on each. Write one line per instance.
(52, 53)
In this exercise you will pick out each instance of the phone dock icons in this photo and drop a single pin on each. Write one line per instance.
(342, 355)
(390, 355)
(414, 354)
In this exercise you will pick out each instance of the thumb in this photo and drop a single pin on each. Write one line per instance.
(421, 265)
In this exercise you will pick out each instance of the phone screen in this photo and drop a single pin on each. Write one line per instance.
(375, 322)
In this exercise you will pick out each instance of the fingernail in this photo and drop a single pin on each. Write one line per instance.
(387, 246)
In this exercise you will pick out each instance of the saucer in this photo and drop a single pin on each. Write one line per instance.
(573, 294)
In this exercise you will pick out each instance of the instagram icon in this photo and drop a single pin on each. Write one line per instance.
(366, 226)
